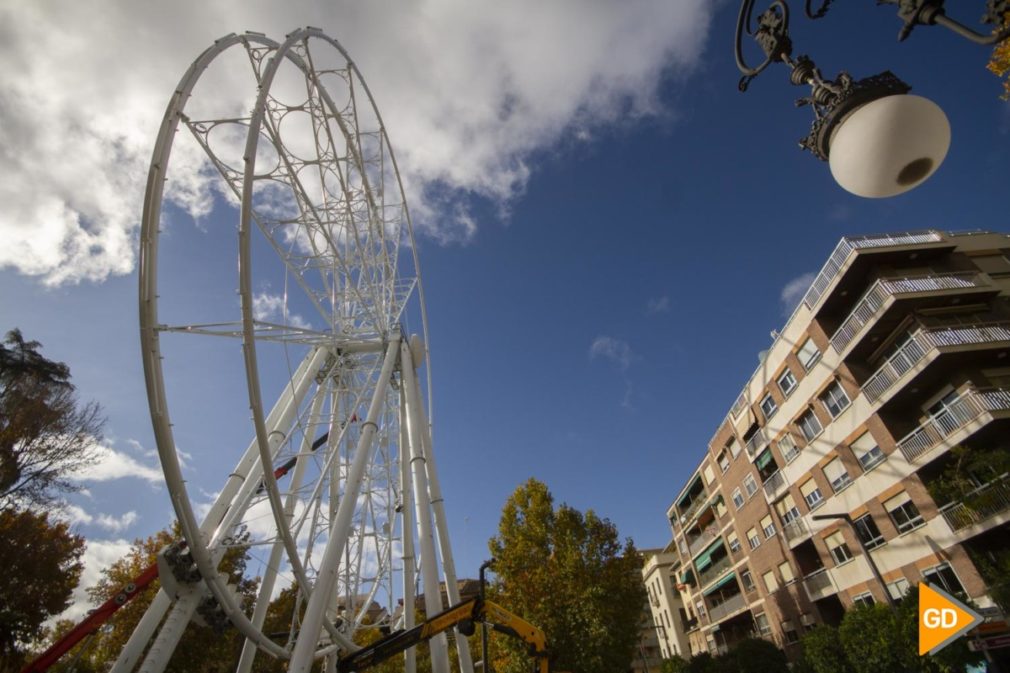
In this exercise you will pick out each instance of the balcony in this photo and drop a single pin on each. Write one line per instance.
(971, 406)
(756, 442)
(926, 340)
(726, 608)
(699, 501)
(703, 539)
(819, 584)
(885, 288)
(713, 571)
(796, 531)
(850, 243)
(986, 502)
(774, 484)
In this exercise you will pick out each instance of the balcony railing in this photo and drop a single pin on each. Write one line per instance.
(727, 607)
(696, 505)
(713, 571)
(741, 400)
(756, 442)
(850, 243)
(795, 529)
(986, 502)
(819, 584)
(703, 539)
(774, 483)
(960, 413)
(925, 340)
(885, 288)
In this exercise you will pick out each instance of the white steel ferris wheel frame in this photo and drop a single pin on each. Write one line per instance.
(359, 360)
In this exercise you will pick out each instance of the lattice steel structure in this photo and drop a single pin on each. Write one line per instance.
(337, 491)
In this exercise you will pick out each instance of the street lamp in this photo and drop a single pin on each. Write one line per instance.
(878, 139)
(866, 552)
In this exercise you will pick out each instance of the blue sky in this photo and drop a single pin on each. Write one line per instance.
(602, 265)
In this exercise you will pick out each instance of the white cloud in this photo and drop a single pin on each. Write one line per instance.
(469, 93)
(794, 290)
(112, 464)
(98, 554)
(658, 305)
(615, 350)
(273, 308)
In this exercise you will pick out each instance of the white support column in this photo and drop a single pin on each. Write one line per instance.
(407, 526)
(277, 551)
(312, 622)
(442, 533)
(422, 505)
(227, 507)
(172, 630)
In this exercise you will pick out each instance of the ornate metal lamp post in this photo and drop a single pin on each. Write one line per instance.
(878, 140)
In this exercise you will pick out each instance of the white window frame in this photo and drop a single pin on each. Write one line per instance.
(787, 375)
(771, 404)
(866, 598)
(844, 554)
(748, 581)
(911, 523)
(936, 569)
(791, 451)
(808, 358)
(843, 480)
(753, 542)
(763, 630)
(737, 494)
(835, 399)
(803, 428)
(895, 589)
(769, 530)
(749, 481)
(815, 502)
(874, 542)
(720, 458)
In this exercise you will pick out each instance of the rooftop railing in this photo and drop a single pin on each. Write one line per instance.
(850, 243)
(986, 502)
(884, 288)
(923, 341)
(952, 418)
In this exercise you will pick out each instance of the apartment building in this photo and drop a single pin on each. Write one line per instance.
(897, 354)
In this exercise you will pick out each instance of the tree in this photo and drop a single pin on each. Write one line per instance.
(999, 64)
(823, 652)
(754, 655)
(674, 664)
(41, 568)
(202, 649)
(45, 434)
(568, 573)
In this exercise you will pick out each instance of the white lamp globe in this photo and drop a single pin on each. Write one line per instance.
(889, 145)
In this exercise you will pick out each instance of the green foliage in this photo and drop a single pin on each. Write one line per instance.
(41, 567)
(999, 63)
(45, 436)
(674, 664)
(994, 566)
(754, 655)
(959, 480)
(953, 658)
(569, 574)
(703, 662)
(823, 652)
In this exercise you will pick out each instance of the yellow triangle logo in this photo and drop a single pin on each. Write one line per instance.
(942, 618)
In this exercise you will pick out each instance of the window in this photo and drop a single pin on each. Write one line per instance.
(809, 425)
(750, 485)
(898, 588)
(768, 407)
(786, 571)
(761, 624)
(808, 354)
(943, 576)
(723, 462)
(771, 584)
(737, 498)
(837, 475)
(787, 383)
(700, 607)
(838, 548)
(786, 507)
(789, 632)
(753, 539)
(768, 527)
(835, 400)
(787, 447)
(709, 475)
(869, 534)
(904, 513)
(865, 599)
(734, 448)
(748, 581)
(734, 542)
(812, 494)
(866, 451)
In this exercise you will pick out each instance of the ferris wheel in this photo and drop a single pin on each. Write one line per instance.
(336, 494)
